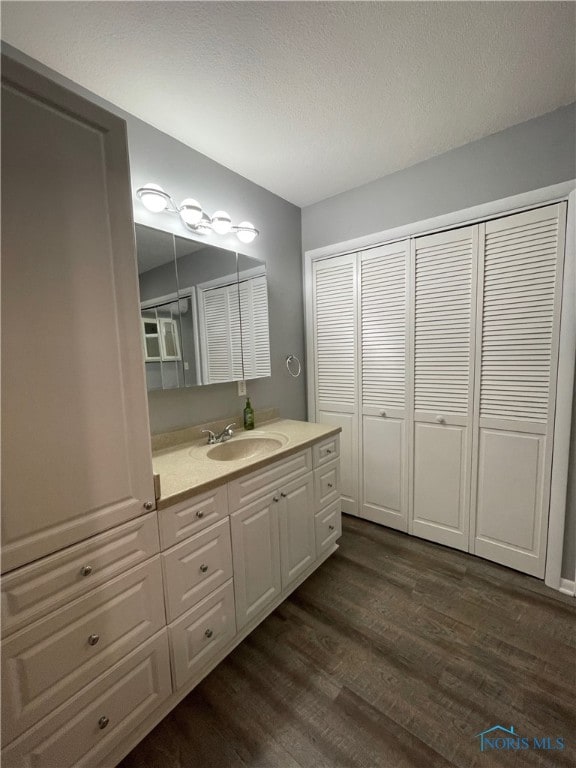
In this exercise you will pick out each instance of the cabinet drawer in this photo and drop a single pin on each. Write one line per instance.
(200, 634)
(179, 522)
(196, 567)
(124, 696)
(326, 484)
(250, 488)
(326, 451)
(52, 659)
(33, 591)
(328, 527)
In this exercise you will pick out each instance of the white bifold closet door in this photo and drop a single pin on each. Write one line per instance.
(520, 284)
(384, 388)
(335, 362)
(442, 363)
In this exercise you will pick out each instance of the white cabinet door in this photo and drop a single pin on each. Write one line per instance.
(384, 340)
(335, 362)
(519, 312)
(76, 445)
(443, 357)
(256, 556)
(297, 534)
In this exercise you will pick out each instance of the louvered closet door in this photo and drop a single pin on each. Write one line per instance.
(384, 360)
(334, 314)
(255, 334)
(443, 366)
(220, 334)
(519, 303)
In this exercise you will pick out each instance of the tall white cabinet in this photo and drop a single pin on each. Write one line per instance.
(76, 456)
(438, 356)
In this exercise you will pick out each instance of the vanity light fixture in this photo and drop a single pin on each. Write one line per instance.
(246, 232)
(155, 199)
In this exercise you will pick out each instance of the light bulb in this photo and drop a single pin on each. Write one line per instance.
(221, 223)
(204, 226)
(190, 211)
(153, 197)
(246, 232)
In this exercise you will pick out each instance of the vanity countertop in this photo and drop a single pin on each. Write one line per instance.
(186, 470)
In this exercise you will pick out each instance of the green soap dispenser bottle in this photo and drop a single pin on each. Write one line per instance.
(248, 415)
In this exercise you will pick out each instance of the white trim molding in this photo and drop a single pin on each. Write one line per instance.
(567, 587)
(567, 350)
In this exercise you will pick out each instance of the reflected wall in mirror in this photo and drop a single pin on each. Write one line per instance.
(204, 312)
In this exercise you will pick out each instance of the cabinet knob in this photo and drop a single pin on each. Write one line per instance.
(283, 495)
(93, 639)
(275, 498)
(330, 527)
(148, 505)
(208, 633)
(382, 413)
(330, 485)
(103, 722)
(328, 450)
(199, 514)
(440, 420)
(86, 570)
(203, 567)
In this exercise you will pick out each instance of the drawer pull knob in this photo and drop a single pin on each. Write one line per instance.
(330, 485)
(208, 633)
(103, 722)
(203, 567)
(148, 505)
(199, 514)
(440, 420)
(283, 495)
(330, 527)
(86, 570)
(93, 639)
(328, 450)
(275, 498)
(383, 414)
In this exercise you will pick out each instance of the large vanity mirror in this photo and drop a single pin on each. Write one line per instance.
(204, 312)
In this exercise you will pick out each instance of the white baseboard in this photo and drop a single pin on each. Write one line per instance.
(567, 587)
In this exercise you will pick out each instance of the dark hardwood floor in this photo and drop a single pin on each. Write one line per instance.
(394, 654)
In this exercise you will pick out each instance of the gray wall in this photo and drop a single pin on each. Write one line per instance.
(528, 156)
(183, 172)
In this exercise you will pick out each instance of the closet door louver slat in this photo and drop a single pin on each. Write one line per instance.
(520, 276)
(384, 361)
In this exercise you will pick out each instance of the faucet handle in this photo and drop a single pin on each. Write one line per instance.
(229, 427)
(211, 436)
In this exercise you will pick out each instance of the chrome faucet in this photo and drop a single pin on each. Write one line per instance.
(226, 434)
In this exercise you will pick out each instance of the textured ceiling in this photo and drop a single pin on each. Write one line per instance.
(310, 99)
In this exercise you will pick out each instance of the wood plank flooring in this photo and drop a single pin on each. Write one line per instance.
(394, 654)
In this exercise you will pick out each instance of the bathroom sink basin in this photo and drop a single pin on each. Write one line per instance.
(246, 447)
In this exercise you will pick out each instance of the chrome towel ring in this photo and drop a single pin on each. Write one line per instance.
(293, 359)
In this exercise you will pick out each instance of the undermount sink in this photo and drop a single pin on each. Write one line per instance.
(246, 447)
